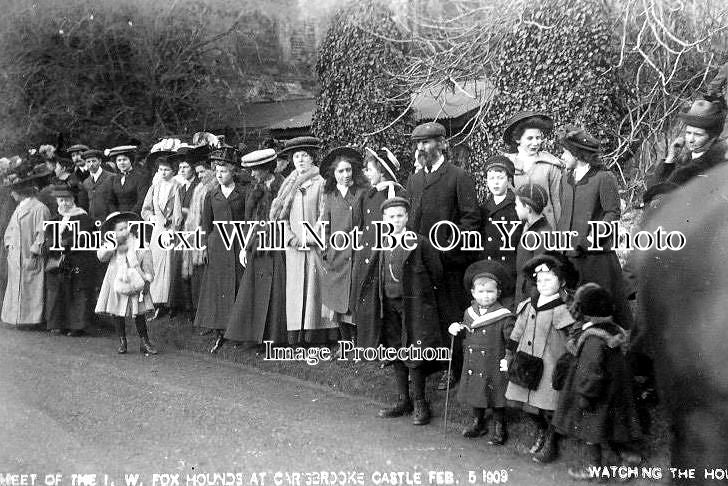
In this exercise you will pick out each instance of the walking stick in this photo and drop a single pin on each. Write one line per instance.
(447, 390)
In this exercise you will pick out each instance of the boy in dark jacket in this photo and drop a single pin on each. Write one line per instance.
(500, 208)
(531, 199)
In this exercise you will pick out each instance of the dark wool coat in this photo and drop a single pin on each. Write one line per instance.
(525, 285)
(596, 403)
(421, 275)
(223, 272)
(493, 242)
(99, 195)
(365, 213)
(180, 292)
(685, 167)
(259, 312)
(336, 281)
(595, 198)
(446, 195)
(130, 196)
(67, 293)
(482, 383)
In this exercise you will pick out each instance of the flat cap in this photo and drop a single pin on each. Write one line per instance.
(394, 202)
(534, 195)
(77, 148)
(427, 131)
(92, 153)
(501, 162)
(259, 157)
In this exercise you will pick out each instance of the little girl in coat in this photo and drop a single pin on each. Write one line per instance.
(487, 325)
(596, 403)
(541, 330)
(117, 297)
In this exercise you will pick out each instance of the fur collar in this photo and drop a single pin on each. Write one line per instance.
(281, 206)
(613, 335)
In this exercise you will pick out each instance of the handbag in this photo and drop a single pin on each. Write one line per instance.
(527, 369)
(129, 280)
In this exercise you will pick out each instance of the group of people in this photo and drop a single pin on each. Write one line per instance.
(542, 330)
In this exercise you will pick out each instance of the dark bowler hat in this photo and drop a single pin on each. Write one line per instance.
(122, 150)
(593, 300)
(534, 195)
(578, 138)
(492, 270)
(349, 152)
(225, 155)
(387, 160)
(301, 143)
(427, 131)
(76, 148)
(93, 153)
(502, 162)
(61, 190)
(528, 119)
(394, 202)
(555, 262)
(708, 115)
(259, 158)
(118, 216)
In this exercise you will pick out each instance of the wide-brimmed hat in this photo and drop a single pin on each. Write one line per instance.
(259, 159)
(529, 119)
(387, 160)
(708, 115)
(121, 150)
(301, 143)
(492, 270)
(61, 190)
(27, 174)
(77, 148)
(116, 217)
(93, 153)
(571, 137)
(349, 152)
(555, 262)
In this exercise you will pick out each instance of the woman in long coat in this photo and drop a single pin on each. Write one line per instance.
(524, 134)
(24, 240)
(300, 199)
(225, 202)
(7, 206)
(380, 168)
(344, 188)
(260, 306)
(68, 289)
(163, 208)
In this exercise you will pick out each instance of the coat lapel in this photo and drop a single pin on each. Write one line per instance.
(436, 176)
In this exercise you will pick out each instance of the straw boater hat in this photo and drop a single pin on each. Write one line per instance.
(77, 148)
(530, 119)
(387, 160)
(349, 152)
(260, 159)
(121, 150)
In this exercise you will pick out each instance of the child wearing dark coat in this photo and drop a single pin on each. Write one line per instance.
(487, 326)
(596, 404)
(531, 199)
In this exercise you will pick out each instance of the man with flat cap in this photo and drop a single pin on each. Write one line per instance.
(442, 191)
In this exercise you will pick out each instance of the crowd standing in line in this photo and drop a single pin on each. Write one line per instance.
(545, 332)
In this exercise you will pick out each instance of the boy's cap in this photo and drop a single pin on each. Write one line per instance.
(534, 195)
(500, 162)
(492, 270)
(394, 202)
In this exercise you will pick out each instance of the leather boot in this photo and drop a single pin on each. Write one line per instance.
(145, 347)
(120, 325)
(476, 429)
(550, 450)
(402, 407)
(499, 435)
(422, 413)
(540, 439)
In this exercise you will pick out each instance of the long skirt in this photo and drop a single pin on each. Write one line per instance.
(162, 260)
(67, 301)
